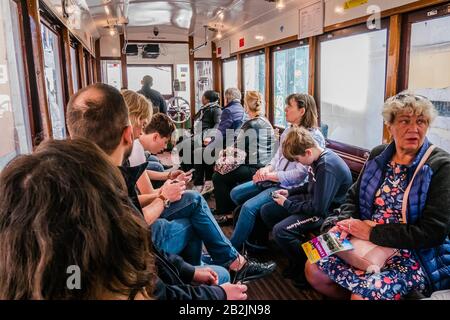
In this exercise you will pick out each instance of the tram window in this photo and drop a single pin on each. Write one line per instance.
(254, 72)
(74, 66)
(291, 73)
(352, 87)
(429, 72)
(230, 74)
(53, 81)
(162, 77)
(203, 80)
(112, 73)
(14, 122)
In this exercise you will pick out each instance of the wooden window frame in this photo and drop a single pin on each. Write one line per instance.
(171, 66)
(353, 155)
(443, 10)
(277, 48)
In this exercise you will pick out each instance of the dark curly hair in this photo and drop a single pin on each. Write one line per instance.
(67, 205)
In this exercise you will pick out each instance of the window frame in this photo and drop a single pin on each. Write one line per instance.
(212, 71)
(171, 66)
(277, 48)
(56, 27)
(231, 58)
(410, 18)
(355, 156)
(260, 52)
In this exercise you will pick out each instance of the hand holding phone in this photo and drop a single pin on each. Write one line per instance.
(190, 172)
(275, 194)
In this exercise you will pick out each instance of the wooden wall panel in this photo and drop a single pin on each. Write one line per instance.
(38, 57)
(123, 61)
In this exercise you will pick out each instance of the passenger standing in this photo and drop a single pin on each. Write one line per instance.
(158, 102)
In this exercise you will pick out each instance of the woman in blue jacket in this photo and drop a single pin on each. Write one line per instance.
(423, 260)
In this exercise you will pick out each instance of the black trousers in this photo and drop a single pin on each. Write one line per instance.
(223, 184)
(289, 234)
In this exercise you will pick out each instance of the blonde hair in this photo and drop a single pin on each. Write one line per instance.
(253, 102)
(407, 102)
(140, 108)
(297, 141)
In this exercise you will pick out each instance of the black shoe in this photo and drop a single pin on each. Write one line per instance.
(252, 270)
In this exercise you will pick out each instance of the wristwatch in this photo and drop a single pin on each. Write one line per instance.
(164, 199)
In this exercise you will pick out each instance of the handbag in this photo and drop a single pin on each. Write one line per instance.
(230, 158)
(368, 256)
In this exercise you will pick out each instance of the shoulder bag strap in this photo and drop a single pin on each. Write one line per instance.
(408, 189)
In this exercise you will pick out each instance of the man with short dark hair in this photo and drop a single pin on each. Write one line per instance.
(159, 104)
(85, 110)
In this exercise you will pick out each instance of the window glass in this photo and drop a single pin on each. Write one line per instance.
(74, 66)
(112, 73)
(53, 81)
(162, 78)
(254, 73)
(429, 72)
(181, 86)
(352, 88)
(14, 122)
(230, 74)
(203, 80)
(291, 73)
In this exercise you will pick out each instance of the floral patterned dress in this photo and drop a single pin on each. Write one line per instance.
(402, 273)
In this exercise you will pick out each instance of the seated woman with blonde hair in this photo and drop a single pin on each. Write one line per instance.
(256, 138)
(422, 262)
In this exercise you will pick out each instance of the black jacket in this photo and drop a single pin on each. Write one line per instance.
(208, 117)
(256, 138)
(174, 274)
(159, 104)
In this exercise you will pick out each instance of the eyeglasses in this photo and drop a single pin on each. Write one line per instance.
(402, 96)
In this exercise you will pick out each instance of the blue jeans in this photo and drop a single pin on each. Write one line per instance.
(177, 237)
(154, 164)
(244, 191)
(193, 207)
(250, 209)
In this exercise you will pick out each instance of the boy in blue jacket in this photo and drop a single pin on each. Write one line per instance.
(297, 211)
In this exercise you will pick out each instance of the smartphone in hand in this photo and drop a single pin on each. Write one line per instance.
(275, 195)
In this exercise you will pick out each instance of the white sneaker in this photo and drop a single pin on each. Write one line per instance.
(197, 188)
(208, 187)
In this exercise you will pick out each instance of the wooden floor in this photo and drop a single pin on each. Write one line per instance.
(273, 287)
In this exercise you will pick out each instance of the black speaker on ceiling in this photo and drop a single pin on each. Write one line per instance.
(132, 50)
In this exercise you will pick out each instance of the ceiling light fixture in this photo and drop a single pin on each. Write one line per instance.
(280, 4)
(107, 10)
(112, 31)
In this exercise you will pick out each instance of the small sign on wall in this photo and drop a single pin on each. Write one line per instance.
(219, 52)
(241, 42)
(311, 20)
(354, 3)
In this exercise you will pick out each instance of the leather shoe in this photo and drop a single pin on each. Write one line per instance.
(223, 220)
(253, 270)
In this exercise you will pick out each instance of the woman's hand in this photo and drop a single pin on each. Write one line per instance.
(337, 229)
(235, 291)
(261, 174)
(356, 228)
(205, 275)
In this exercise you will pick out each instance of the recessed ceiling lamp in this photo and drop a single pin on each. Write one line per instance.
(112, 31)
(280, 4)
(339, 9)
(259, 37)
